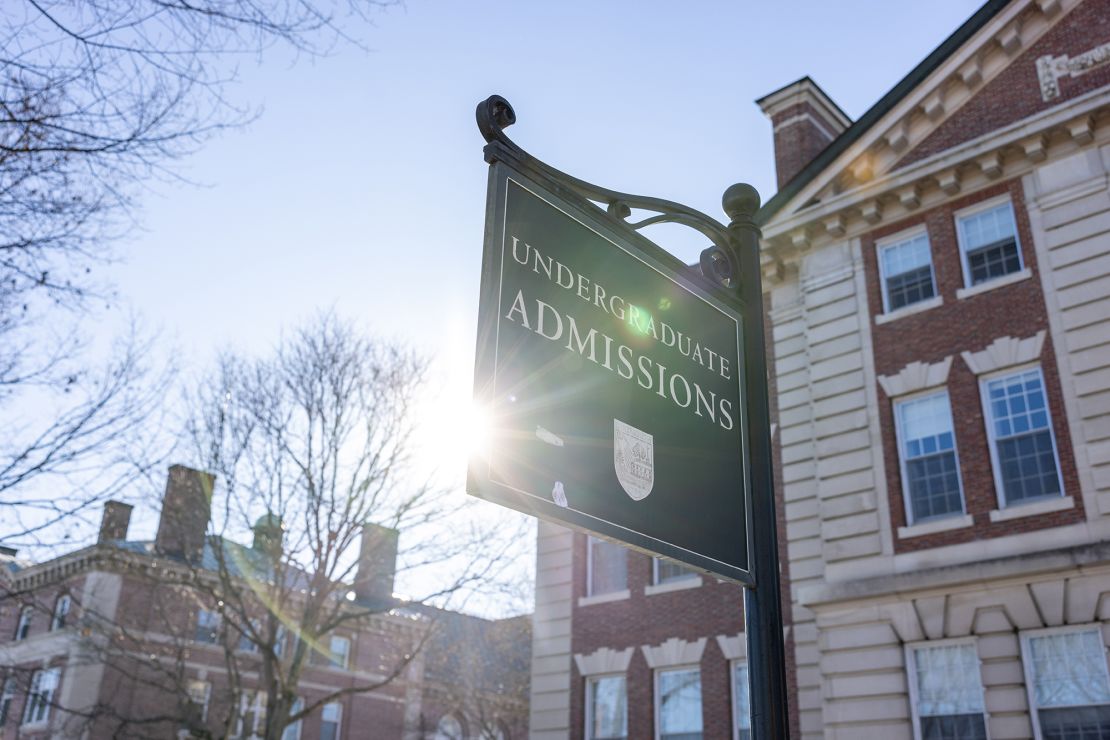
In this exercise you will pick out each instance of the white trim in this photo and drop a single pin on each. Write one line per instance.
(992, 443)
(732, 664)
(1014, 277)
(943, 524)
(657, 696)
(604, 598)
(1034, 508)
(691, 575)
(1027, 663)
(899, 437)
(587, 731)
(892, 241)
(884, 318)
(805, 117)
(972, 210)
(911, 678)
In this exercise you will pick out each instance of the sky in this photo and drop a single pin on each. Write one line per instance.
(361, 187)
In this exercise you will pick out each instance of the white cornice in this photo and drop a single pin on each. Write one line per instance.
(942, 167)
(804, 91)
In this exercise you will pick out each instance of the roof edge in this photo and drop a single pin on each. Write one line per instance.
(886, 103)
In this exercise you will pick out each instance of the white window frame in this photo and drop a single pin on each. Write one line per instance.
(992, 442)
(34, 685)
(23, 624)
(893, 240)
(658, 696)
(972, 210)
(589, 713)
(732, 665)
(57, 618)
(1027, 663)
(338, 718)
(899, 441)
(590, 539)
(332, 663)
(911, 678)
(7, 697)
(207, 696)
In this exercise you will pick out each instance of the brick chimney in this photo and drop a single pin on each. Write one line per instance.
(186, 508)
(377, 564)
(805, 121)
(114, 523)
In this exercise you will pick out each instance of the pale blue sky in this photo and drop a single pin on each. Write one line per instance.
(362, 186)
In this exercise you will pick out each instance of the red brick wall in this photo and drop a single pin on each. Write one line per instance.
(970, 324)
(1015, 93)
(711, 609)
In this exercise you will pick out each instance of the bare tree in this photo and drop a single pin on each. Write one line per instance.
(97, 97)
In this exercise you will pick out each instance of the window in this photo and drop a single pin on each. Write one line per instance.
(927, 448)
(329, 721)
(252, 714)
(6, 699)
(607, 564)
(1069, 688)
(906, 267)
(293, 731)
(947, 692)
(1023, 447)
(40, 697)
(678, 703)
(449, 728)
(199, 692)
(208, 627)
(61, 611)
(606, 708)
(340, 651)
(667, 572)
(988, 241)
(246, 643)
(741, 703)
(24, 625)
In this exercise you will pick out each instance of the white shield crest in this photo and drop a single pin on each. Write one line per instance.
(634, 459)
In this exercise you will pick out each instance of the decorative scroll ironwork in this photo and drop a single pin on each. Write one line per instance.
(719, 262)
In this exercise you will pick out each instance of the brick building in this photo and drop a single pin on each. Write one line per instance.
(112, 641)
(937, 275)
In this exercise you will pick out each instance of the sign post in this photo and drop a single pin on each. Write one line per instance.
(627, 393)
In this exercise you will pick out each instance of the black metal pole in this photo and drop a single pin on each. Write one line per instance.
(762, 604)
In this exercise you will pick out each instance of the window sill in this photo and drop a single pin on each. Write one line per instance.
(604, 598)
(909, 310)
(1046, 506)
(1013, 277)
(679, 585)
(946, 524)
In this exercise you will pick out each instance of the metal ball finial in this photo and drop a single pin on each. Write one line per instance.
(740, 201)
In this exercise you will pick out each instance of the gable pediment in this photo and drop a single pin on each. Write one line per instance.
(933, 114)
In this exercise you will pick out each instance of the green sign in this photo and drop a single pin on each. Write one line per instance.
(613, 382)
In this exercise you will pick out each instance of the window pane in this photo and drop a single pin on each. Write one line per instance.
(1075, 723)
(609, 708)
(990, 241)
(666, 572)
(680, 704)
(1019, 419)
(1069, 669)
(948, 680)
(742, 706)
(908, 272)
(955, 727)
(608, 567)
(928, 450)
(329, 725)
